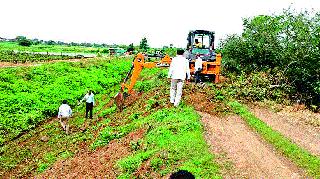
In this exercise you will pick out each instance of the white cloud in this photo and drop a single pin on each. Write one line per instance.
(127, 21)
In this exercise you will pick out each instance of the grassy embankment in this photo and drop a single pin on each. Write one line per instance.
(173, 140)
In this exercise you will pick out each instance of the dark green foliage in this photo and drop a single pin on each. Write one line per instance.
(144, 44)
(130, 48)
(287, 43)
(23, 41)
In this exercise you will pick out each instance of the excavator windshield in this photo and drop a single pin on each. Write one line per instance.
(202, 51)
(203, 39)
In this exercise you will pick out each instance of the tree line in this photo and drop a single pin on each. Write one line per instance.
(285, 45)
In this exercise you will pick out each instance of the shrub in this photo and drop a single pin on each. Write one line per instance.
(287, 43)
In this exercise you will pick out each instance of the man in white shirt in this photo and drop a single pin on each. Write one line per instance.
(178, 72)
(198, 68)
(89, 98)
(64, 114)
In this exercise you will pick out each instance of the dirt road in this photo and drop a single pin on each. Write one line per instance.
(251, 156)
(294, 125)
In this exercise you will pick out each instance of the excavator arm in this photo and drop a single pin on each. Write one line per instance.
(138, 65)
(136, 68)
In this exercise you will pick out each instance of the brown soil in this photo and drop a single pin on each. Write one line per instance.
(99, 163)
(196, 96)
(27, 64)
(251, 156)
(294, 123)
(145, 171)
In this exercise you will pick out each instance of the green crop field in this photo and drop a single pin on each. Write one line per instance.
(30, 95)
(23, 57)
(48, 48)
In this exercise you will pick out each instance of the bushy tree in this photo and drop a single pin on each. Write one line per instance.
(144, 44)
(130, 48)
(288, 43)
(23, 41)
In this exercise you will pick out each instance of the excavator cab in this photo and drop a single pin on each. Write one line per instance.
(201, 42)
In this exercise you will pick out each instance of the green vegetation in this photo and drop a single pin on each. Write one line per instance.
(30, 95)
(295, 153)
(286, 45)
(276, 58)
(10, 46)
(168, 131)
(22, 57)
(256, 86)
(23, 41)
(173, 137)
(28, 154)
(174, 140)
(144, 45)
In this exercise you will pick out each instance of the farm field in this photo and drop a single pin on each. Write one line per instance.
(149, 139)
(33, 94)
(9, 46)
(12, 52)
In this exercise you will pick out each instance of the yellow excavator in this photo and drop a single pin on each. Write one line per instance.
(210, 65)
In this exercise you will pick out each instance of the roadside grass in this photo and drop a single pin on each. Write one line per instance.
(174, 136)
(285, 146)
(174, 141)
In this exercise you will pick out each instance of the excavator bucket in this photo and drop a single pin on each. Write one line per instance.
(119, 99)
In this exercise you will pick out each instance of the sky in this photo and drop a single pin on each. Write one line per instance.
(162, 22)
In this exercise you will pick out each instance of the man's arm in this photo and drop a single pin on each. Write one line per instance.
(59, 112)
(84, 98)
(188, 69)
(92, 99)
(70, 111)
(170, 69)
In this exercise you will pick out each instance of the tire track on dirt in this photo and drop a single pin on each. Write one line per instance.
(251, 156)
(293, 125)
